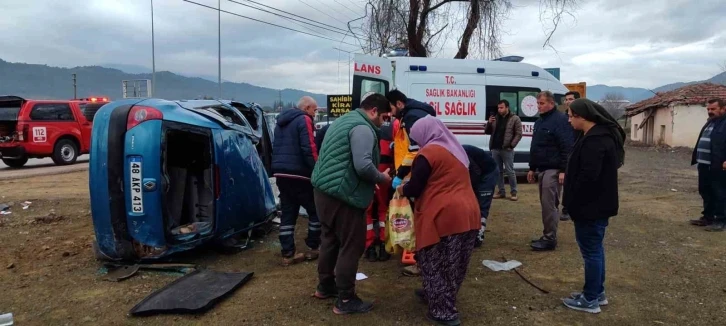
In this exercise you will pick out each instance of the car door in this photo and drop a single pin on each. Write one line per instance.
(47, 121)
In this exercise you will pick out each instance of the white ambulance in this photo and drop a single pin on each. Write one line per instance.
(464, 93)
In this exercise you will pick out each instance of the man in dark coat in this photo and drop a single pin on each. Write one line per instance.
(551, 145)
(293, 158)
(710, 156)
(408, 111)
(591, 194)
(484, 175)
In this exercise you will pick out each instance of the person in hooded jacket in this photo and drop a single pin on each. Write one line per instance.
(294, 154)
(591, 194)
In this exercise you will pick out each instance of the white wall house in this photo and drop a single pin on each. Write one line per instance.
(673, 118)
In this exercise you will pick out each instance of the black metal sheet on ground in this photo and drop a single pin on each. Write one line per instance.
(195, 292)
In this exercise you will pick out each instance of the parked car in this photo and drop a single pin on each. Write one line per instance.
(60, 129)
(168, 176)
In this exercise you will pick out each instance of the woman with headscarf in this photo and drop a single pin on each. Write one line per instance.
(446, 217)
(591, 194)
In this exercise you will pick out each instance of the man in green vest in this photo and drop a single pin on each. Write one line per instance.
(344, 180)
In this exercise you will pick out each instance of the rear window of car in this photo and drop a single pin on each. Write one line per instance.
(51, 112)
(9, 111)
(89, 110)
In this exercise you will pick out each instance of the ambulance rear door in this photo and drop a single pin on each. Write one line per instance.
(370, 74)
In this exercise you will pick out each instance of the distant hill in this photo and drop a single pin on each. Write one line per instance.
(46, 82)
(635, 94)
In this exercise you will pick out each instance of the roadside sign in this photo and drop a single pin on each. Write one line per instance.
(339, 105)
(554, 71)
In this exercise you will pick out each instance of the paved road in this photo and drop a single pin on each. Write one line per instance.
(38, 167)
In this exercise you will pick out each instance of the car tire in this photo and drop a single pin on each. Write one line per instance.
(15, 163)
(65, 152)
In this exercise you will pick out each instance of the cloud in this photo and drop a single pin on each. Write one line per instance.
(616, 42)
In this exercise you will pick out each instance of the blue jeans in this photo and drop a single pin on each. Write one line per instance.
(590, 235)
(506, 159)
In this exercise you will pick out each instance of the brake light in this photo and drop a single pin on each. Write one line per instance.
(139, 114)
(23, 135)
(93, 99)
(217, 185)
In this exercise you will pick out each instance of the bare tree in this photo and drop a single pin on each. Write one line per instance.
(615, 104)
(423, 26)
(722, 66)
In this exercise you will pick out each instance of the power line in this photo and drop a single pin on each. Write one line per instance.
(268, 23)
(322, 12)
(357, 5)
(298, 16)
(344, 6)
(289, 18)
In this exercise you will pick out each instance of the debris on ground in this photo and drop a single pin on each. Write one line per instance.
(26, 204)
(196, 292)
(6, 319)
(10, 266)
(360, 276)
(50, 218)
(5, 207)
(499, 266)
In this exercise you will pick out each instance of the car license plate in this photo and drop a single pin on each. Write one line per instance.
(137, 200)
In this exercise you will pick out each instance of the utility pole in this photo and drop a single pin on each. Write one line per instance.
(74, 87)
(219, 45)
(153, 55)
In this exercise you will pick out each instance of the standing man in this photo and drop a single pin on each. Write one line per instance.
(569, 98)
(484, 174)
(344, 180)
(506, 131)
(293, 158)
(710, 156)
(551, 145)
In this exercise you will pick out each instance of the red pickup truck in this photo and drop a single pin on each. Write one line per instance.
(45, 128)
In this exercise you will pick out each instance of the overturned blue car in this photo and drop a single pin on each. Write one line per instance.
(168, 176)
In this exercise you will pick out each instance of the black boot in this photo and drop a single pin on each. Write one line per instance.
(372, 254)
(383, 255)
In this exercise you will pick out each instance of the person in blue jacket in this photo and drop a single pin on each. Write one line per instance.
(484, 176)
(294, 154)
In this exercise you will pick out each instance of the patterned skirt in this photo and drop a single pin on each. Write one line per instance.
(443, 269)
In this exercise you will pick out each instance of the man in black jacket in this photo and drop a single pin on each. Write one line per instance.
(551, 145)
(710, 156)
(408, 111)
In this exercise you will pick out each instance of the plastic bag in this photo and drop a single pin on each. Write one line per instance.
(401, 234)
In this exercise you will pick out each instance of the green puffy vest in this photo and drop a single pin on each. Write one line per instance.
(334, 173)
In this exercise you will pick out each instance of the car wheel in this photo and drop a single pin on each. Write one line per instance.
(65, 152)
(15, 162)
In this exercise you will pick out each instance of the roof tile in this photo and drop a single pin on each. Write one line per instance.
(687, 95)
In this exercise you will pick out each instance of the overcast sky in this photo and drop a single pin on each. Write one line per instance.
(645, 43)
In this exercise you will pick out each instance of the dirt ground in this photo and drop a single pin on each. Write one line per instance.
(661, 271)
